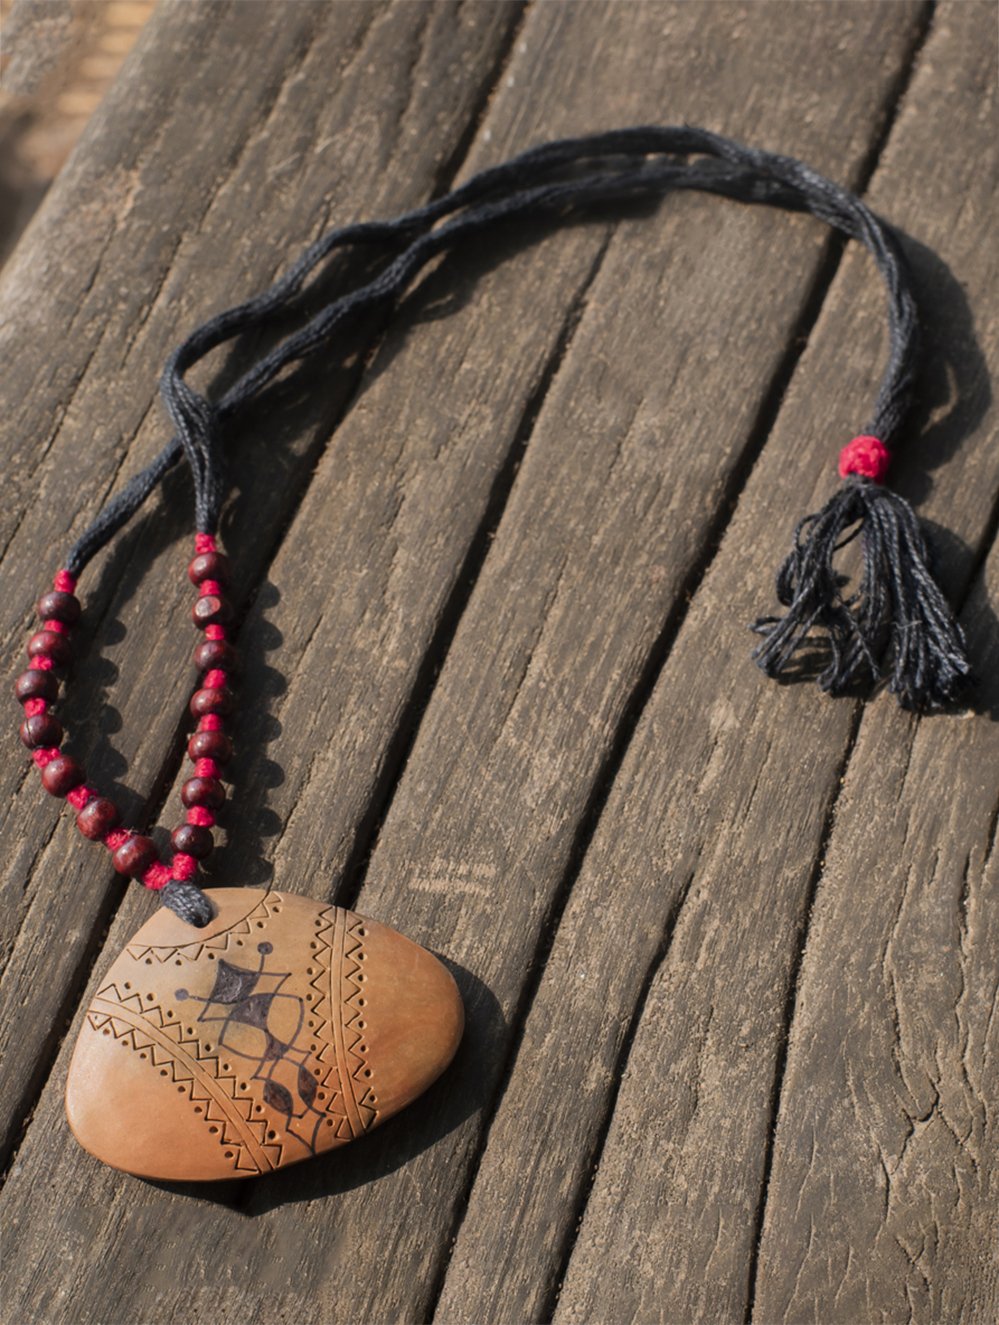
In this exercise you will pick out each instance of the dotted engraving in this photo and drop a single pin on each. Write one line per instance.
(272, 1075)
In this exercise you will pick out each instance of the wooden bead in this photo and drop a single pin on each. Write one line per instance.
(209, 566)
(210, 610)
(135, 856)
(203, 791)
(210, 745)
(58, 606)
(377, 1016)
(36, 684)
(97, 818)
(41, 731)
(192, 840)
(50, 644)
(215, 653)
(210, 701)
(61, 775)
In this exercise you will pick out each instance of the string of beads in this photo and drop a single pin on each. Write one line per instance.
(50, 654)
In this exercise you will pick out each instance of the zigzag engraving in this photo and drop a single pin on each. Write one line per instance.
(219, 942)
(352, 1010)
(200, 1074)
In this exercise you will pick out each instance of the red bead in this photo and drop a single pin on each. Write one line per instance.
(210, 610)
(36, 684)
(98, 818)
(210, 745)
(209, 566)
(210, 701)
(203, 791)
(42, 730)
(61, 775)
(57, 606)
(215, 653)
(135, 856)
(47, 644)
(192, 841)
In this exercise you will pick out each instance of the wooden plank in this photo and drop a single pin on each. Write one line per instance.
(709, 860)
(554, 641)
(57, 59)
(882, 1204)
(146, 232)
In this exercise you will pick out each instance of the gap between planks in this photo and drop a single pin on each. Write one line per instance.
(443, 180)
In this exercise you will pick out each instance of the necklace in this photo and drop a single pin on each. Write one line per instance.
(242, 1030)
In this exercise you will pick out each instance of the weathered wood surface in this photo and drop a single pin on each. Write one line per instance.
(91, 410)
(57, 60)
(539, 529)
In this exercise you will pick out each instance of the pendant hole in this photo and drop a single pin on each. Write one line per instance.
(213, 1128)
(164, 1072)
(228, 1154)
(149, 997)
(271, 1135)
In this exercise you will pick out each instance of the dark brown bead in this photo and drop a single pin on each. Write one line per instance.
(58, 606)
(61, 775)
(41, 731)
(135, 856)
(97, 818)
(192, 840)
(210, 610)
(208, 792)
(36, 684)
(210, 701)
(50, 644)
(210, 745)
(209, 566)
(215, 653)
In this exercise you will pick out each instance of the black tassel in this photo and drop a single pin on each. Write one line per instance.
(896, 623)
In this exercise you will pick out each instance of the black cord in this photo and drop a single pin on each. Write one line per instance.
(898, 606)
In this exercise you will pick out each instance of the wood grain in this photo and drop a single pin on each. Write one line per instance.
(523, 493)
(882, 1204)
(145, 233)
(726, 842)
(571, 600)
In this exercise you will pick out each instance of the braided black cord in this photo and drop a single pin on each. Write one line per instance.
(618, 164)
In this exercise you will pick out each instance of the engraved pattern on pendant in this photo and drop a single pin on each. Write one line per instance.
(265, 1070)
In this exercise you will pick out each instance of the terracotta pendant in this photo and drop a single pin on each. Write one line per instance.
(283, 1029)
